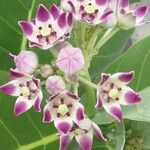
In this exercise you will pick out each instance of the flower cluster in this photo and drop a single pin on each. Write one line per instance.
(49, 29)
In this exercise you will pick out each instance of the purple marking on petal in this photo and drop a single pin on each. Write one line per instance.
(80, 114)
(53, 97)
(8, 88)
(47, 116)
(26, 27)
(43, 14)
(104, 78)
(99, 103)
(73, 96)
(141, 11)
(62, 20)
(15, 74)
(115, 111)
(124, 3)
(98, 133)
(36, 81)
(126, 77)
(54, 10)
(64, 141)
(70, 19)
(106, 15)
(64, 127)
(72, 6)
(101, 2)
(20, 107)
(37, 104)
(86, 143)
(132, 97)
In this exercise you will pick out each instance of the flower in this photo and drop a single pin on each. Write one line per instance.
(70, 60)
(82, 136)
(55, 84)
(48, 28)
(90, 11)
(26, 88)
(128, 15)
(112, 91)
(26, 61)
(64, 109)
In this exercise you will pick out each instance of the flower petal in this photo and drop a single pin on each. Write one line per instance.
(85, 140)
(48, 115)
(15, 74)
(101, 2)
(38, 100)
(104, 78)
(114, 109)
(26, 27)
(123, 4)
(128, 96)
(62, 20)
(65, 141)
(63, 125)
(98, 132)
(99, 104)
(11, 88)
(22, 105)
(43, 14)
(55, 84)
(55, 11)
(122, 78)
(140, 13)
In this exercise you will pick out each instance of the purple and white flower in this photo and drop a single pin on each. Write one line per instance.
(65, 109)
(55, 84)
(48, 28)
(26, 61)
(113, 91)
(90, 11)
(70, 60)
(26, 88)
(83, 136)
(128, 15)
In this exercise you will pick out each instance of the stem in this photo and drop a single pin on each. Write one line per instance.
(88, 83)
(24, 39)
(76, 89)
(92, 40)
(105, 38)
(43, 141)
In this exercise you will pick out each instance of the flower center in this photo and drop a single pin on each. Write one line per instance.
(79, 131)
(45, 31)
(63, 109)
(113, 93)
(25, 91)
(89, 9)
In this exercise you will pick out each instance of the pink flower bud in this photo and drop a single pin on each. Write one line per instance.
(26, 61)
(46, 70)
(70, 60)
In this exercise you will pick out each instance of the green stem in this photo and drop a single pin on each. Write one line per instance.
(43, 141)
(24, 39)
(86, 82)
(89, 94)
(76, 89)
(92, 40)
(105, 38)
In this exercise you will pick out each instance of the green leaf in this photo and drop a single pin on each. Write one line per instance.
(137, 58)
(109, 52)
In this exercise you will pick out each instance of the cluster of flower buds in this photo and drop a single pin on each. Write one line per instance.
(50, 28)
